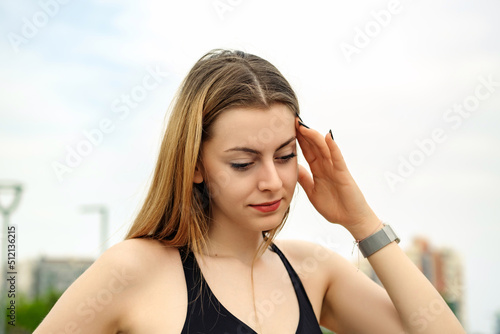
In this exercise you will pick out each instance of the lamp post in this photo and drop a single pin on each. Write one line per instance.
(10, 195)
(103, 211)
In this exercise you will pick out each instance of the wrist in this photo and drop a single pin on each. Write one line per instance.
(366, 228)
(377, 241)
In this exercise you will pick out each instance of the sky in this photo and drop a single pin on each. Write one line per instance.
(411, 91)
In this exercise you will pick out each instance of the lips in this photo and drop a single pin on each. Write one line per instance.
(268, 206)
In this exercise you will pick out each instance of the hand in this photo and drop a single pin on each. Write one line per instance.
(331, 189)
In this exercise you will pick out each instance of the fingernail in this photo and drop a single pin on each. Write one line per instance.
(331, 134)
(303, 125)
(296, 114)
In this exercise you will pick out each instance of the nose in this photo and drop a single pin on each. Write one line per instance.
(269, 178)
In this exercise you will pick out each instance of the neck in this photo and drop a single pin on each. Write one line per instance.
(230, 241)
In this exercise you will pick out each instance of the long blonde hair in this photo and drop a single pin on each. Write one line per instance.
(175, 209)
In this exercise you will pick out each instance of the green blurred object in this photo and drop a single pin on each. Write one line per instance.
(326, 331)
(30, 313)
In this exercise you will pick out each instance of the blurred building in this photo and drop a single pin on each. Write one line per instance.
(442, 267)
(37, 277)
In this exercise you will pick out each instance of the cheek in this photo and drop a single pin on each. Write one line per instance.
(218, 183)
(227, 185)
(290, 175)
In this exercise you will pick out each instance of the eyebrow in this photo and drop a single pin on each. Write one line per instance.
(250, 150)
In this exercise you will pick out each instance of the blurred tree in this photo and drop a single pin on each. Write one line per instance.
(30, 313)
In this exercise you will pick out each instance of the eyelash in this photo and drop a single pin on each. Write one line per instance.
(245, 166)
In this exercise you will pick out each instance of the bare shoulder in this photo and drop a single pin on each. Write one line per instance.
(296, 246)
(130, 257)
(119, 275)
(140, 254)
(300, 250)
(306, 256)
(140, 264)
(317, 267)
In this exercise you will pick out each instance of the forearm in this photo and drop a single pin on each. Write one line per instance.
(419, 305)
(335, 195)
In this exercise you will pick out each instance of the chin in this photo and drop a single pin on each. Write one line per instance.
(270, 223)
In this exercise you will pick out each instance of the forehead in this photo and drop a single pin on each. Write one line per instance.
(252, 127)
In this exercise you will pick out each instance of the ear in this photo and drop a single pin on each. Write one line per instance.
(198, 174)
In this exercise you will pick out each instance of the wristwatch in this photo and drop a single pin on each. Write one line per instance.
(377, 241)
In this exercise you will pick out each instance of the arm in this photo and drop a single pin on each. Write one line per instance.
(411, 303)
(95, 301)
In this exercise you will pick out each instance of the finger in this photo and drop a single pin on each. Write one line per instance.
(305, 146)
(319, 166)
(305, 180)
(335, 154)
(316, 142)
(312, 144)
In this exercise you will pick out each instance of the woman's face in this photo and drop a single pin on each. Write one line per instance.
(250, 166)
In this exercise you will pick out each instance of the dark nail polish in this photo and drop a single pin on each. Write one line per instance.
(303, 125)
(331, 134)
(296, 114)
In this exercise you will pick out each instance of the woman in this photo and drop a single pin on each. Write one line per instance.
(201, 255)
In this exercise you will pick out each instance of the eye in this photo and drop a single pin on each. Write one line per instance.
(286, 158)
(241, 167)
(246, 166)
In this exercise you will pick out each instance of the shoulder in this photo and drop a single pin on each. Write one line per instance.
(309, 257)
(317, 267)
(139, 254)
(113, 282)
(300, 250)
(141, 261)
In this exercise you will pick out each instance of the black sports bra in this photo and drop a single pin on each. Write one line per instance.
(206, 314)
